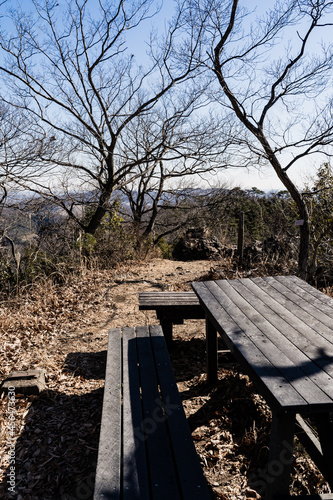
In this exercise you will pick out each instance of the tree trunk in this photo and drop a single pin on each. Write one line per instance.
(98, 215)
(257, 131)
(304, 246)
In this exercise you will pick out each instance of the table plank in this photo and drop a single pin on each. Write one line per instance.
(281, 331)
(265, 336)
(312, 330)
(303, 308)
(287, 335)
(302, 288)
(273, 385)
(272, 342)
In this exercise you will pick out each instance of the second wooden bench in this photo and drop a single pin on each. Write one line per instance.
(171, 308)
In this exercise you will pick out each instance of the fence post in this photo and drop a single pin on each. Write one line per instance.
(240, 245)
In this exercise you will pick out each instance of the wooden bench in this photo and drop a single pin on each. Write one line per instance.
(171, 308)
(145, 449)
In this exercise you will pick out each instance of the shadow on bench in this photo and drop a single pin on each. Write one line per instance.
(146, 449)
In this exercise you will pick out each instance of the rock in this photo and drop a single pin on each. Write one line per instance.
(25, 382)
(278, 247)
(196, 245)
(274, 248)
(252, 253)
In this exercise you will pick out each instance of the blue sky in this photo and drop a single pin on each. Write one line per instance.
(265, 179)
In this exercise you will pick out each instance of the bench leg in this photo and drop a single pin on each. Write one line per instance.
(166, 325)
(211, 352)
(280, 455)
(325, 431)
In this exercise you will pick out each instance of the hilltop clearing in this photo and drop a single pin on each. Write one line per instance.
(63, 330)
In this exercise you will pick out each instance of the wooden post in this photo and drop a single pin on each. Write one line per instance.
(240, 244)
(211, 352)
(280, 455)
(325, 432)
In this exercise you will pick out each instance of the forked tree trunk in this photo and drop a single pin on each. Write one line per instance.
(100, 211)
(95, 220)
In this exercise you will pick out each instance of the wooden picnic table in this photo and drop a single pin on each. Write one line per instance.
(281, 331)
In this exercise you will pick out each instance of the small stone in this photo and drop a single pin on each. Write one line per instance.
(25, 382)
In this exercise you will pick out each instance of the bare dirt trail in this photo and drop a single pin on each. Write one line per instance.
(157, 275)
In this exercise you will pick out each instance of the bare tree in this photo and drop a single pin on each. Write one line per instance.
(73, 73)
(19, 150)
(180, 146)
(274, 74)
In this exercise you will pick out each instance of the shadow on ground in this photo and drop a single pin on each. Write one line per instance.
(56, 453)
(89, 365)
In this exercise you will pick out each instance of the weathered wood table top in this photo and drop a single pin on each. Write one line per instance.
(281, 331)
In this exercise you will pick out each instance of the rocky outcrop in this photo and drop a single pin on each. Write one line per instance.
(197, 245)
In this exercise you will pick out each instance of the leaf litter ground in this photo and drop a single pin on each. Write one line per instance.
(63, 330)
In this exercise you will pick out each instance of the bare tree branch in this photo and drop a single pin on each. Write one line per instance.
(69, 70)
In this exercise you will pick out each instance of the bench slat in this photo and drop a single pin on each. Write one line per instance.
(151, 300)
(192, 482)
(108, 474)
(162, 474)
(135, 475)
(171, 308)
(145, 451)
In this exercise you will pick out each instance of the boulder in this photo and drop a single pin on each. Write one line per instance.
(197, 245)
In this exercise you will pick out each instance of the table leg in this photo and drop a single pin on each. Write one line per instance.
(211, 352)
(325, 432)
(280, 455)
(166, 325)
